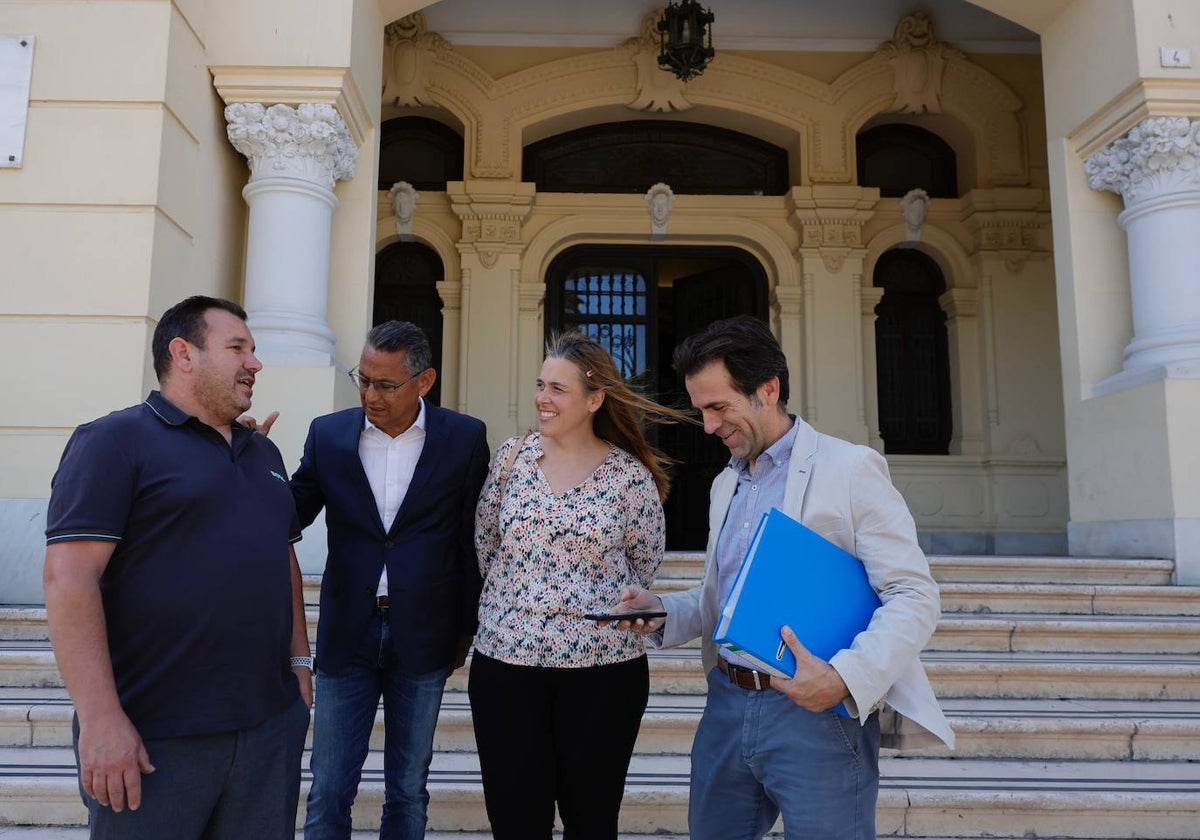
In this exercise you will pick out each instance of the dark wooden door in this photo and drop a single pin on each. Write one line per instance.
(640, 301)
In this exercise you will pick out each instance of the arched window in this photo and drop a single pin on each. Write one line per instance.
(898, 158)
(406, 278)
(630, 157)
(421, 151)
(912, 355)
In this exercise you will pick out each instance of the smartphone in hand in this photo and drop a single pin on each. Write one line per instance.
(645, 615)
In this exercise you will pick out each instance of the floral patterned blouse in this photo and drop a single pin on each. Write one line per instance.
(547, 559)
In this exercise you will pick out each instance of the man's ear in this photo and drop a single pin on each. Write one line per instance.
(181, 354)
(425, 381)
(768, 392)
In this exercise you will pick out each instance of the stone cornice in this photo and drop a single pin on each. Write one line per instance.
(309, 142)
(491, 212)
(831, 217)
(1143, 99)
(1159, 155)
(295, 86)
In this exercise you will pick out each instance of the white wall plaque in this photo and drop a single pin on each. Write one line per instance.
(16, 68)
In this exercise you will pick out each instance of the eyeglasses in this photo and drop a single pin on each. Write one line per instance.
(387, 389)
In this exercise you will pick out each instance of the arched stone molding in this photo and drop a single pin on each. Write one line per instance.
(449, 289)
(961, 303)
(936, 243)
(499, 113)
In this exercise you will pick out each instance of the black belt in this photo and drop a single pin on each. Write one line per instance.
(746, 678)
(381, 602)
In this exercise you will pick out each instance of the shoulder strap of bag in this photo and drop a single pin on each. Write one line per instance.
(506, 470)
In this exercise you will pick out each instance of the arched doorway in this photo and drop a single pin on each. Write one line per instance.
(912, 355)
(406, 278)
(640, 301)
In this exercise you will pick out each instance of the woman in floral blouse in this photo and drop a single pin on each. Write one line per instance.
(556, 699)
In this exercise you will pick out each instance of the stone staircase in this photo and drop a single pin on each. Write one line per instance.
(1073, 685)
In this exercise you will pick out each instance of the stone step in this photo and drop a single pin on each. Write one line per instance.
(919, 797)
(1147, 730)
(684, 569)
(1067, 633)
(1129, 676)
(1106, 571)
(974, 631)
(1070, 599)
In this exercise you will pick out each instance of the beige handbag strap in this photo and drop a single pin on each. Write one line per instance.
(506, 470)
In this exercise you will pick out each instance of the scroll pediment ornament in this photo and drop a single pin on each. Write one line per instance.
(915, 207)
(657, 90)
(404, 207)
(1159, 155)
(406, 61)
(659, 199)
(918, 62)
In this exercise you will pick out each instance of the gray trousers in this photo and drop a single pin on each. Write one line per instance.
(229, 786)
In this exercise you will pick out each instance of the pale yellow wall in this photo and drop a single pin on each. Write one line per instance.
(127, 201)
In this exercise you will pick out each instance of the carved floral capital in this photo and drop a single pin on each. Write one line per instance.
(1158, 156)
(309, 141)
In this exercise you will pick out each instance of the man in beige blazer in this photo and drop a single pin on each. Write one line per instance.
(767, 745)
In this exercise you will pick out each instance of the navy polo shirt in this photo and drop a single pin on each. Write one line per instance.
(198, 594)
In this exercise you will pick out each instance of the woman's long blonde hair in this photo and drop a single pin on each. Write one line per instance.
(621, 417)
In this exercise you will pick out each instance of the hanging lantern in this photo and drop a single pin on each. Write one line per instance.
(685, 35)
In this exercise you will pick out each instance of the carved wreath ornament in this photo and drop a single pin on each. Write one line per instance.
(1157, 155)
(310, 139)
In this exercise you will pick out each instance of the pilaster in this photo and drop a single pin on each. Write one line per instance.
(491, 247)
(1155, 168)
(295, 155)
(829, 220)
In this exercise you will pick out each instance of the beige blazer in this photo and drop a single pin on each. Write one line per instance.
(843, 492)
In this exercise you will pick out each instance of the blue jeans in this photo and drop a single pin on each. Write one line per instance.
(758, 754)
(226, 786)
(343, 716)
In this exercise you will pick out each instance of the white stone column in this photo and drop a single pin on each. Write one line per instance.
(296, 154)
(1155, 168)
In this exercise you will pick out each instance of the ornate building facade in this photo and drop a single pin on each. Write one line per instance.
(980, 262)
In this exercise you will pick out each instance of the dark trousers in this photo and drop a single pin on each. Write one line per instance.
(562, 735)
(228, 786)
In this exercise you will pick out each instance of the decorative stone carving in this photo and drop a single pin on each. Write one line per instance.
(819, 233)
(404, 207)
(1158, 156)
(488, 258)
(833, 261)
(405, 62)
(309, 141)
(659, 199)
(657, 90)
(915, 206)
(917, 61)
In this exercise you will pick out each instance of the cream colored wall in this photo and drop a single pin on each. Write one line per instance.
(818, 246)
(1126, 460)
(126, 203)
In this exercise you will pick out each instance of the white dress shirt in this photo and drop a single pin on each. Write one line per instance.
(389, 463)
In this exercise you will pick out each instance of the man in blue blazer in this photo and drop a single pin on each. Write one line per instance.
(398, 479)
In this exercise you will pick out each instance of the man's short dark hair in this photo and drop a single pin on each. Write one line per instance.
(403, 337)
(745, 345)
(185, 320)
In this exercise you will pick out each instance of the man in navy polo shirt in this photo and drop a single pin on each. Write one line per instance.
(174, 600)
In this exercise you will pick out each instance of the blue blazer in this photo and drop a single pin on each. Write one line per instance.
(433, 575)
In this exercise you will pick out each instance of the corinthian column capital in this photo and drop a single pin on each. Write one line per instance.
(1158, 156)
(309, 141)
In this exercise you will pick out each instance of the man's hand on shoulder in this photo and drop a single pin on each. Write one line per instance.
(112, 760)
(263, 428)
(817, 685)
